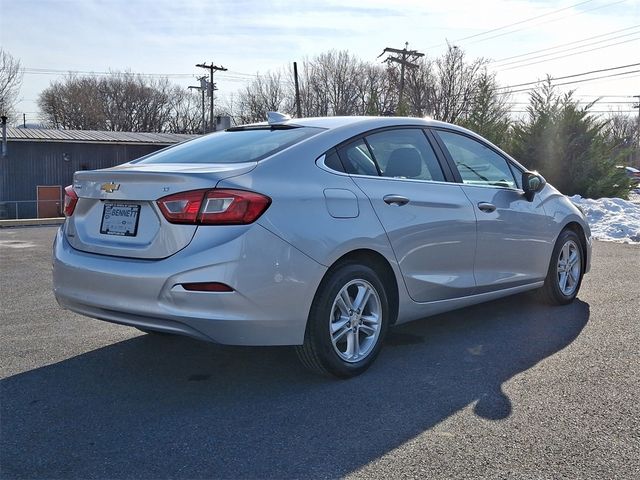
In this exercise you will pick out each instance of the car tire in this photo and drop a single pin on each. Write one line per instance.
(566, 269)
(347, 322)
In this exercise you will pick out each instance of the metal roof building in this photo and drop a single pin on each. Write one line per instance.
(41, 162)
(94, 136)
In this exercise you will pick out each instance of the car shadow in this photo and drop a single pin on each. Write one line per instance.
(163, 406)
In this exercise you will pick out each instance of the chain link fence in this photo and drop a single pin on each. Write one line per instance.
(16, 209)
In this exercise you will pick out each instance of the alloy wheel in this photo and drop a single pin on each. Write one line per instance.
(569, 267)
(355, 321)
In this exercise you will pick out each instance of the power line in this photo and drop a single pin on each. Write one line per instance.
(561, 51)
(586, 102)
(549, 21)
(486, 32)
(604, 76)
(526, 20)
(606, 96)
(573, 75)
(574, 81)
(567, 55)
(589, 111)
(567, 50)
(51, 71)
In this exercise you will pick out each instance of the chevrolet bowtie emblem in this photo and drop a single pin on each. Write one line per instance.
(110, 187)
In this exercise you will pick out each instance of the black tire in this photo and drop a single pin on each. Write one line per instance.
(552, 292)
(318, 353)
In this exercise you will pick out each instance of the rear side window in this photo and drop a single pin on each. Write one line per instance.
(332, 161)
(233, 146)
(405, 153)
(477, 163)
(357, 159)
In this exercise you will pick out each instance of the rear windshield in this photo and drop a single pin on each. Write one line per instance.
(232, 146)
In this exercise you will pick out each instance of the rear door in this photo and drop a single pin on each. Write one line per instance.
(429, 221)
(512, 244)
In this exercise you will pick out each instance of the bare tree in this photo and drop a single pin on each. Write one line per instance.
(185, 113)
(331, 84)
(420, 88)
(374, 89)
(10, 82)
(266, 93)
(623, 131)
(455, 84)
(72, 103)
(121, 101)
(338, 83)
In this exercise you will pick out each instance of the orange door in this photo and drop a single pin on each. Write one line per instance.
(49, 201)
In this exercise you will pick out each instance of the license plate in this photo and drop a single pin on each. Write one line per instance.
(120, 219)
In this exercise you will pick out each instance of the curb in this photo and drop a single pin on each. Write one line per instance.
(28, 222)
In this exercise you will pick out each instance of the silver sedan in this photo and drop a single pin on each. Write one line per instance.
(318, 232)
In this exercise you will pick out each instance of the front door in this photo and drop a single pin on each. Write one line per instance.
(513, 246)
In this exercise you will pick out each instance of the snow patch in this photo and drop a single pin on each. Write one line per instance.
(611, 219)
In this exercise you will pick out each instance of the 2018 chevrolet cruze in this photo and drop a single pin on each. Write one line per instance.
(317, 232)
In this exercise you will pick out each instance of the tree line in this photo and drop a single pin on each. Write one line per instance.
(576, 150)
(121, 101)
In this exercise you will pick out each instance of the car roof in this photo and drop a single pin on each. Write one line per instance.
(331, 123)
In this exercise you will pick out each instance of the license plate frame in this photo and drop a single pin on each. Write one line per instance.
(124, 223)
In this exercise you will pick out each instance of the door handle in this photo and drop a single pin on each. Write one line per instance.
(487, 207)
(396, 200)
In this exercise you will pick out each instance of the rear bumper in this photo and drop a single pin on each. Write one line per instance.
(273, 284)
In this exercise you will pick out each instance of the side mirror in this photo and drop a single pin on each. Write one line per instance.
(532, 183)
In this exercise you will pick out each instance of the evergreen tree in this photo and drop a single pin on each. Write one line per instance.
(488, 113)
(567, 145)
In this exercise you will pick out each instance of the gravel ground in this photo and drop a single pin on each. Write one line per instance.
(508, 389)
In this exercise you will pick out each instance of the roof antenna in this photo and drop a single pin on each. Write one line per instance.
(275, 118)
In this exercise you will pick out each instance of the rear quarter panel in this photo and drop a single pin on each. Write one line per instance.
(300, 213)
(300, 210)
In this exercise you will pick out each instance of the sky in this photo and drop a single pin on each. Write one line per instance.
(249, 37)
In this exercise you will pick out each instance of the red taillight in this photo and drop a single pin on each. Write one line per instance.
(182, 207)
(70, 200)
(207, 287)
(232, 207)
(214, 207)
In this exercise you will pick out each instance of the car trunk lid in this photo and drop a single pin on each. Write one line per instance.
(116, 213)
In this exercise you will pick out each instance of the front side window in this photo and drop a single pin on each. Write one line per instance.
(405, 153)
(477, 163)
(233, 146)
(517, 174)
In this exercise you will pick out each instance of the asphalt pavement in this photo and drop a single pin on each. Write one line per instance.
(508, 389)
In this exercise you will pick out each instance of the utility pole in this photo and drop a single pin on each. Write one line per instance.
(638, 126)
(4, 135)
(295, 78)
(212, 68)
(203, 87)
(406, 58)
